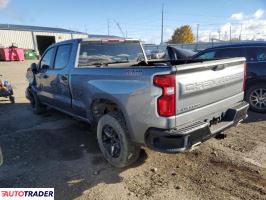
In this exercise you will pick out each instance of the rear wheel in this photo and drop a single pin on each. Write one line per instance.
(113, 140)
(256, 96)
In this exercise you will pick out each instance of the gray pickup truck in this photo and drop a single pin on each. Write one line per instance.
(170, 106)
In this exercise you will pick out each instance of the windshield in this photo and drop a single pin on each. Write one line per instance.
(108, 53)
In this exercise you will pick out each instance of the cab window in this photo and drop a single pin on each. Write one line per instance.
(47, 59)
(62, 56)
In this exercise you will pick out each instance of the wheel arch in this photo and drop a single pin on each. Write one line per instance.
(254, 81)
(103, 105)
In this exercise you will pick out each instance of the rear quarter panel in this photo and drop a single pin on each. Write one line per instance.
(130, 88)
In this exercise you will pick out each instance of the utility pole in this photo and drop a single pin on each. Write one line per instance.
(85, 27)
(197, 33)
(108, 27)
(197, 36)
(230, 33)
(240, 32)
(225, 36)
(219, 32)
(162, 26)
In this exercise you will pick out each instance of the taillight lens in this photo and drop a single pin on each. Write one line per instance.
(166, 103)
(245, 76)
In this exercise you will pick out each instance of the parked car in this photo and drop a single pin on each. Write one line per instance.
(255, 54)
(170, 106)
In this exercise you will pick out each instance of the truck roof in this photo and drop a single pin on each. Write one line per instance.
(100, 39)
(111, 39)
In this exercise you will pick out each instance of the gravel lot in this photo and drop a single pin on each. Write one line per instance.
(54, 150)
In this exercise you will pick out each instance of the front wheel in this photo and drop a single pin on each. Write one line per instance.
(36, 105)
(113, 140)
(256, 96)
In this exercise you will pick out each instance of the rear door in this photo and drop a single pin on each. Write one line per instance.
(59, 78)
(256, 60)
(53, 79)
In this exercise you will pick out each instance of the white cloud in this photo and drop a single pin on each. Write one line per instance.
(253, 27)
(3, 3)
(259, 14)
(237, 16)
(168, 33)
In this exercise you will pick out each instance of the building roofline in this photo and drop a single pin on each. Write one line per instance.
(37, 29)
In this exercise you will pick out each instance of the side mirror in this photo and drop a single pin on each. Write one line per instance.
(34, 67)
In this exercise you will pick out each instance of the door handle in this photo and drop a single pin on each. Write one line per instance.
(41, 75)
(45, 76)
(63, 77)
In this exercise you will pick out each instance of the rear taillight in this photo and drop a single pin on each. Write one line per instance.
(166, 103)
(245, 76)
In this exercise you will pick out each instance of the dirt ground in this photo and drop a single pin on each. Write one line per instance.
(54, 150)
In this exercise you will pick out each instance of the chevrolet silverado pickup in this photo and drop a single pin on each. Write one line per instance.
(170, 106)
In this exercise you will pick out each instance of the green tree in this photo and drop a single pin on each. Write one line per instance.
(183, 34)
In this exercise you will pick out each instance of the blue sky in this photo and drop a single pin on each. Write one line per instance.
(140, 19)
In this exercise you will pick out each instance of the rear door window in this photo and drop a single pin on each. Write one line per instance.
(207, 55)
(62, 56)
(256, 54)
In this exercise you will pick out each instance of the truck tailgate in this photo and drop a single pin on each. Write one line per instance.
(208, 88)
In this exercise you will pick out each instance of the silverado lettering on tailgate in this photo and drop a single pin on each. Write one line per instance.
(203, 85)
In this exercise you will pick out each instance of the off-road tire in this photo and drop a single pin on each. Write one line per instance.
(129, 152)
